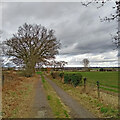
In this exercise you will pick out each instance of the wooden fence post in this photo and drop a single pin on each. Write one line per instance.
(98, 89)
(85, 83)
(2, 79)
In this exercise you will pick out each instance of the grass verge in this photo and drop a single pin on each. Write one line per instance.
(93, 104)
(17, 96)
(57, 106)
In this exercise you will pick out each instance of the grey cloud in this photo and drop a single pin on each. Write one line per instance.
(78, 28)
(104, 61)
(79, 62)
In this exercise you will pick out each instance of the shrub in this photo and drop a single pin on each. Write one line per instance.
(10, 68)
(101, 69)
(26, 73)
(67, 79)
(54, 74)
(75, 79)
(104, 110)
(49, 97)
(61, 74)
(43, 69)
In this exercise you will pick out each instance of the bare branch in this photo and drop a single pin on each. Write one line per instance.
(32, 44)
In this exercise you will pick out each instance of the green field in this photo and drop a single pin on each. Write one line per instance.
(108, 79)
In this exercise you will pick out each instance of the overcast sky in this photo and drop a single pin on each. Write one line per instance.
(79, 29)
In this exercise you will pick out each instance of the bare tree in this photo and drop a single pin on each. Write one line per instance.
(42, 64)
(62, 64)
(57, 64)
(85, 62)
(0, 50)
(53, 63)
(31, 45)
(3, 58)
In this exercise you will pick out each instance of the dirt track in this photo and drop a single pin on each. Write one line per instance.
(77, 110)
(41, 108)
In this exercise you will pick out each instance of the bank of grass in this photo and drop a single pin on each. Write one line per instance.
(93, 104)
(57, 106)
(17, 96)
(25, 104)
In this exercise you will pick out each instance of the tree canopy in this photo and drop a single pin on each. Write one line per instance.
(85, 62)
(31, 45)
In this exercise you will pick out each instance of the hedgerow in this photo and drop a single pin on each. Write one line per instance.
(69, 78)
(54, 74)
(61, 75)
(73, 78)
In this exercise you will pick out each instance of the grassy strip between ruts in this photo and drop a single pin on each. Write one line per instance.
(93, 104)
(58, 108)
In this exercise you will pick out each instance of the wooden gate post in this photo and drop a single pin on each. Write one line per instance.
(2, 79)
(85, 83)
(98, 89)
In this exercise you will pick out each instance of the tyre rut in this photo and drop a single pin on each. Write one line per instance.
(41, 108)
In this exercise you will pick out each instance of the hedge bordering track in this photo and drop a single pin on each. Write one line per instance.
(73, 78)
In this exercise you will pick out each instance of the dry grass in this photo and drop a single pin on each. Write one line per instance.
(105, 98)
(17, 96)
(106, 106)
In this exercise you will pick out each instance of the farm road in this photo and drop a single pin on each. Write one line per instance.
(41, 108)
(77, 110)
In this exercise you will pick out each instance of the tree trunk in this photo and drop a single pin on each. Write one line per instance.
(30, 69)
